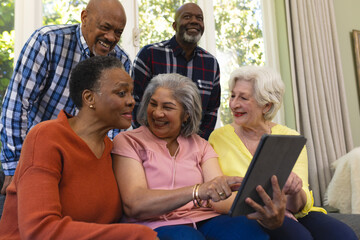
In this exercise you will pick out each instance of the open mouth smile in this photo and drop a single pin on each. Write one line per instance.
(106, 45)
(239, 114)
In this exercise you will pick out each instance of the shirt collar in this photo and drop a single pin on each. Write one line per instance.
(83, 45)
(160, 141)
(177, 50)
(84, 48)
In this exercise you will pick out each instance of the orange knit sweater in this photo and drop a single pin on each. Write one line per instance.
(61, 190)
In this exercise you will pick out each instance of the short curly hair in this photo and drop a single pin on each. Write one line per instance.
(87, 73)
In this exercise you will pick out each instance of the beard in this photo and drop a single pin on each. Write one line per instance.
(94, 51)
(191, 39)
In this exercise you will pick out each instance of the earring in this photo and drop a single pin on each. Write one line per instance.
(92, 106)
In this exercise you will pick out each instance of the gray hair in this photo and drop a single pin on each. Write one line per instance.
(184, 90)
(267, 85)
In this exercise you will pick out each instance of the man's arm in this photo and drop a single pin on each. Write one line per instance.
(141, 74)
(24, 88)
(210, 113)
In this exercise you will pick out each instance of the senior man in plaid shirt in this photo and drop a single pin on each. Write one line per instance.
(39, 87)
(181, 55)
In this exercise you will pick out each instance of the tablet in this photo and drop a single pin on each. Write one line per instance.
(275, 155)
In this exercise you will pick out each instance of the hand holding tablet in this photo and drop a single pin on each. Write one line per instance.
(275, 155)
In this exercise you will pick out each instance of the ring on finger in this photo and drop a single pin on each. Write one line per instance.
(221, 194)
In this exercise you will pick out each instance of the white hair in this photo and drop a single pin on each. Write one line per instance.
(267, 85)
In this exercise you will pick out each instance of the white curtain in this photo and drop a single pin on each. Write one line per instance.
(322, 114)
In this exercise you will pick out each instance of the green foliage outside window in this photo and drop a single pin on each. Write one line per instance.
(239, 39)
(7, 36)
(156, 18)
(62, 12)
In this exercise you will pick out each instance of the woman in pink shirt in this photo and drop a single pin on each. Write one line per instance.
(169, 177)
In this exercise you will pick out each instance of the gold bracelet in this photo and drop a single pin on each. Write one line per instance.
(196, 186)
(198, 199)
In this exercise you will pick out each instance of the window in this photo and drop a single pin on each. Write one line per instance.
(155, 20)
(62, 12)
(7, 36)
(239, 42)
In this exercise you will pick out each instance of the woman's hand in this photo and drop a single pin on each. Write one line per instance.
(271, 215)
(293, 184)
(220, 188)
(296, 197)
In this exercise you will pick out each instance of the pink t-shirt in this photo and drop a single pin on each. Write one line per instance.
(164, 172)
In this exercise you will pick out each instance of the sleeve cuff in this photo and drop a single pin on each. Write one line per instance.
(309, 204)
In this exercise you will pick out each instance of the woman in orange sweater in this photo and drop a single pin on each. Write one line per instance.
(64, 186)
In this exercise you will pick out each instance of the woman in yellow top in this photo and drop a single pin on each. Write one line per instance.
(256, 96)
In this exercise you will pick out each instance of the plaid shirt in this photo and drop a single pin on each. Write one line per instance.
(168, 57)
(39, 87)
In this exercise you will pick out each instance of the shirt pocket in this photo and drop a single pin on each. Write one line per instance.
(205, 85)
(205, 88)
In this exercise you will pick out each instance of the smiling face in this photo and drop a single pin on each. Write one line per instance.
(189, 23)
(103, 22)
(244, 107)
(165, 115)
(114, 101)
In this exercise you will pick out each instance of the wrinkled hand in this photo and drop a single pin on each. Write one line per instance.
(220, 188)
(271, 215)
(7, 181)
(293, 184)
